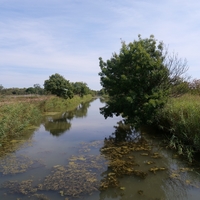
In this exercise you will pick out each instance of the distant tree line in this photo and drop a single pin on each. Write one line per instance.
(56, 85)
(36, 89)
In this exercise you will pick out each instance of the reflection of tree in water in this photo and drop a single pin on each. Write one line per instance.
(125, 132)
(102, 99)
(81, 110)
(59, 124)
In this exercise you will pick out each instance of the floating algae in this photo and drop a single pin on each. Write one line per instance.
(70, 182)
(181, 175)
(87, 147)
(23, 187)
(78, 178)
(110, 181)
(41, 197)
(155, 169)
(13, 164)
(121, 161)
(156, 155)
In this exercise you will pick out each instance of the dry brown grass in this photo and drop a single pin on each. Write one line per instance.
(9, 99)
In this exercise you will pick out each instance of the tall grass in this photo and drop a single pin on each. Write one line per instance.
(181, 119)
(16, 117)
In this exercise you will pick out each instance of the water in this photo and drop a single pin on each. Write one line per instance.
(62, 160)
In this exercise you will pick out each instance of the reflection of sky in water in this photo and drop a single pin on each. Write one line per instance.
(52, 148)
(94, 126)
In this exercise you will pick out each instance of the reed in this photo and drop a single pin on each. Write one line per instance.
(16, 117)
(181, 119)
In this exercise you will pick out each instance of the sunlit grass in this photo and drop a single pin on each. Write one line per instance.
(16, 117)
(56, 104)
(181, 118)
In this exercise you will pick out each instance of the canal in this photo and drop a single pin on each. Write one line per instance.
(80, 155)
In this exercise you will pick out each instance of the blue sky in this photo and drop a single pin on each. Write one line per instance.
(42, 37)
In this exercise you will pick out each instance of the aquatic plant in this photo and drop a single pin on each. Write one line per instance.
(17, 164)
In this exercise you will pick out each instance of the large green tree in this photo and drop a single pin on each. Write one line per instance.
(58, 85)
(137, 81)
(80, 88)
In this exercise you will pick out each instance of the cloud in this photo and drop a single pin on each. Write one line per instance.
(67, 37)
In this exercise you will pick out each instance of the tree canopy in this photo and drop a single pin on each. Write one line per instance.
(137, 80)
(58, 85)
(80, 88)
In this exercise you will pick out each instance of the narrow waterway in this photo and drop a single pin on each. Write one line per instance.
(73, 155)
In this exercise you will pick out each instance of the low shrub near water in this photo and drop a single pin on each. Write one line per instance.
(181, 118)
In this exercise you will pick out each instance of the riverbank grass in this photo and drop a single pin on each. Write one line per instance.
(18, 116)
(57, 104)
(181, 119)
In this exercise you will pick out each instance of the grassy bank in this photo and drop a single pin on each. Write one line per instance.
(56, 104)
(19, 115)
(16, 117)
(180, 120)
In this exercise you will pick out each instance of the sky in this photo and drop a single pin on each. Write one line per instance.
(43, 37)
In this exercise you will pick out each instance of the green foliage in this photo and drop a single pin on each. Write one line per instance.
(180, 118)
(57, 104)
(13, 91)
(103, 93)
(194, 86)
(15, 118)
(179, 89)
(80, 88)
(135, 80)
(59, 86)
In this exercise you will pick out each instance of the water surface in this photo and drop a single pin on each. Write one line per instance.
(63, 159)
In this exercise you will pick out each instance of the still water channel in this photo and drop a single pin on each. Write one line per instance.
(74, 155)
